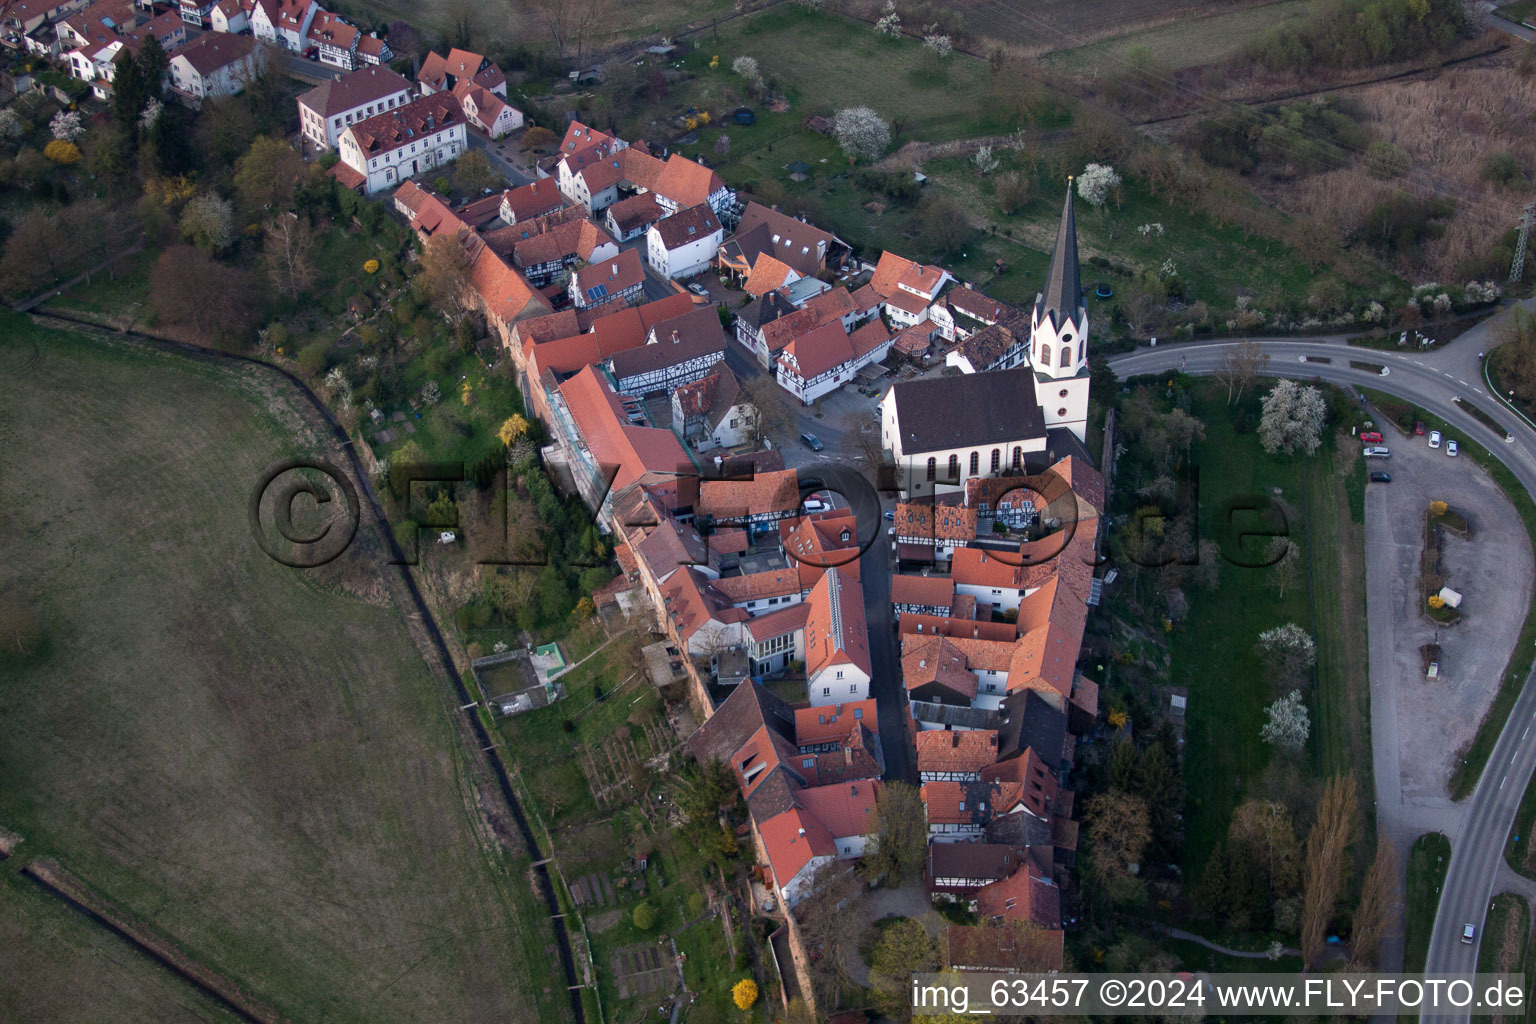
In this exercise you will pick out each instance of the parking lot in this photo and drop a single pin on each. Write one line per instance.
(1492, 569)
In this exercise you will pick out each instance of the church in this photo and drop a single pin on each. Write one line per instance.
(940, 431)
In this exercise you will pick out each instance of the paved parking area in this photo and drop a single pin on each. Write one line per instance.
(1494, 572)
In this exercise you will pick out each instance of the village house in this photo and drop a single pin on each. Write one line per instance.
(284, 22)
(711, 412)
(441, 74)
(944, 756)
(836, 641)
(232, 16)
(684, 243)
(629, 218)
(962, 311)
(998, 346)
(756, 502)
(334, 40)
(823, 359)
(930, 530)
(959, 812)
(676, 352)
(380, 151)
(907, 288)
(487, 110)
(20, 19)
(215, 65)
(534, 199)
(544, 247)
(922, 595)
(603, 447)
(777, 639)
(196, 12)
(619, 281)
(804, 249)
(331, 107)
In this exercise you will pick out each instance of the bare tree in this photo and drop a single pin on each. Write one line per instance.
(571, 23)
(773, 413)
(445, 269)
(1337, 827)
(898, 835)
(190, 289)
(829, 920)
(1240, 365)
(286, 253)
(1377, 914)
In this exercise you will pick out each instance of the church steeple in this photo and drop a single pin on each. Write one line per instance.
(1063, 295)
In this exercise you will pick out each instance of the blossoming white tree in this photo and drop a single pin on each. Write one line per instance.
(1293, 418)
(1289, 724)
(861, 133)
(985, 160)
(1097, 184)
(12, 127)
(890, 22)
(747, 68)
(66, 125)
(939, 45)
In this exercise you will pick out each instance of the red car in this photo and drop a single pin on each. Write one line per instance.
(1370, 437)
(1418, 429)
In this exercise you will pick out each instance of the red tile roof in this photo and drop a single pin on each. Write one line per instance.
(781, 622)
(818, 350)
(770, 492)
(357, 89)
(622, 272)
(214, 50)
(791, 840)
(815, 542)
(635, 212)
(835, 632)
(941, 750)
(686, 226)
(968, 803)
(929, 591)
(937, 521)
(686, 182)
(758, 586)
(1025, 895)
(333, 30)
(768, 274)
(612, 439)
(955, 626)
(830, 723)
(933, 660)
(407, 122)
(1035, 780)
(845, 807)
(976, 305)
(533, 199)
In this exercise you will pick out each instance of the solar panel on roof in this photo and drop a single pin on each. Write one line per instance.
(597, 292)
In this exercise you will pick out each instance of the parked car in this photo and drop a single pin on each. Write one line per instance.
(699, 289)
(1468, 933)
(812, 442)
(1371, 437)
(1377, 452)
(811, 483)
(1434, 439)
(1451, 449)
(1381, 478)
(889, 515)
(1418, 429)
(814, 505)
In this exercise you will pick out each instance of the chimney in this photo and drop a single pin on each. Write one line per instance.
(614, 272)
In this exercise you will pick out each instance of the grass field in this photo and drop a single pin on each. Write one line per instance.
(251, 758)
(1428, 862)
(1217, 660)
(508, 23)
(1505, 948)
(1518, 851)
(1180, 44)
(63, 967)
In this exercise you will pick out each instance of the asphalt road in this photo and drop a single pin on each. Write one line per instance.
(1429, 380)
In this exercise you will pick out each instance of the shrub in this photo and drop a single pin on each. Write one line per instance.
(744, 993)
(61, 152)
(644, 916)
(312, 358)
(1503, 170)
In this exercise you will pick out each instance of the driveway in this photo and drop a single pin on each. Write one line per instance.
(501, 155)
(908, 901)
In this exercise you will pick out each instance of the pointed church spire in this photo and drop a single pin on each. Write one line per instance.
(1063, 294)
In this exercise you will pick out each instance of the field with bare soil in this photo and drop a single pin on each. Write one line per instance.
(252, 760)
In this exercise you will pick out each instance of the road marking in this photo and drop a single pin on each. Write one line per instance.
(1527, 729)
(1463, 383)
(1502, 781)
(1417, 363)
(1452, 378)
(1478, 390)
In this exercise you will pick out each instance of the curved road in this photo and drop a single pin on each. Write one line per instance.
(1430, 380)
